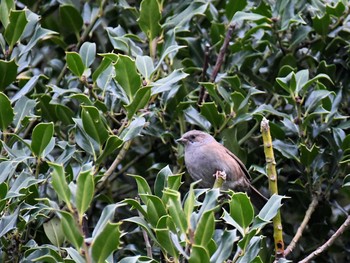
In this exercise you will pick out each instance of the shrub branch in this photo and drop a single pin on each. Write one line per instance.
(329, 242)
(303, 225)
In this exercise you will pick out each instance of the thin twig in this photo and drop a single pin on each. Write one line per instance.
(114, 165)
(204, 72)
(146, 238)
(329, 242)
(222, 52)
(221, 57)
(303, 225)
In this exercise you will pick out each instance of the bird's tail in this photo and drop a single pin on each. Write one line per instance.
(257, 198)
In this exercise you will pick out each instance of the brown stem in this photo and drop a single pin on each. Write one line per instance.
(114, 165)
(329, 242)
(204, 72)
(303, 225)
(221, 57)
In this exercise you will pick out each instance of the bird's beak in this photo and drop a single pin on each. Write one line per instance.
(181, 140)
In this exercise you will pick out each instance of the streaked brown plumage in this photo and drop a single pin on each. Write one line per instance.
(204, 157)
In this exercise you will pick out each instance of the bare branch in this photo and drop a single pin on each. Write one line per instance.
(303, 225)
(329, 242)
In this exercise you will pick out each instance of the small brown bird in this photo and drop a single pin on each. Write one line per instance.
(206, 158)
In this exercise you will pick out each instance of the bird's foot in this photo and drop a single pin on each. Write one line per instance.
(220, 174)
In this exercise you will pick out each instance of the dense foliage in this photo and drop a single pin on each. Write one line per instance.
(93, 95)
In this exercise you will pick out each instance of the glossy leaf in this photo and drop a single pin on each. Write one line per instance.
(308, 155)
(113, 142)
(241, 210)
(140, 100)
(15, 28)
(93, 124)
(5, 8)
(71, 18)
(71, 229)
(53, 231)
(6, 112)
(41, 137)
(75, 63)
(223, 251)
(87, 53)
(142, 186)
(161, 181)
(85, 191)
(127, 76)
(8, 73)
(199, 254)
(134, 129)
(150, 15)
(210, 111)
(60, 184)
(106, 242)
(205, 229)
(145, 66)
(175, 210)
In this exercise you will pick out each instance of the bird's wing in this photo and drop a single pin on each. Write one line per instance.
(241, 165)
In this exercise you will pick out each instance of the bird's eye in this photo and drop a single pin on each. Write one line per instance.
(192, 137)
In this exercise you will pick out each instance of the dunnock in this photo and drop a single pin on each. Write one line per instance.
(205, 158)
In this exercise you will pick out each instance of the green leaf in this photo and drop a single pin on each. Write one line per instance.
(194, 117)
(85, 191)
(168, 83)
(140, 100)
(127, 76)
(75, 63)
(135, 204)
(144, 224)
(269, 211)
(53, 231)
(199, 255)
(8, 73)
(71, 19)
(108, 214)
(161, 181)
(190, 203)
(155, 208)
(5, 8)
(39, 34)
(241, 210)
(143, 187)
(87, 53)
(71, 229)
(163, 236)
(321, 24)
(134, 129)
(26, 88)
(175, 210)
(93, 124)
(145, 66)
(205, 229)
(6, 112)
(232, 6)
(242, 16)
(41, 137)
(210, 111)
(149, 19)
(15, 28)
(106, 242)
(113, 143)
(60, 184)
(308, 155)
(224, 249)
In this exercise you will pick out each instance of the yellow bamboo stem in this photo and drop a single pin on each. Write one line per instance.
(272, 176)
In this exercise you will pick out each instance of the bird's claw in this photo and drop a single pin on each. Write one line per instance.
(220, 174)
